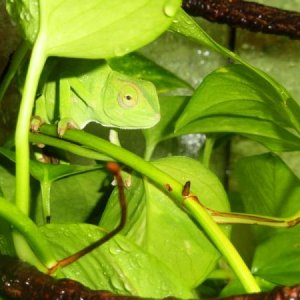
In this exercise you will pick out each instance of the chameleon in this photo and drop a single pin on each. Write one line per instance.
(75, 92)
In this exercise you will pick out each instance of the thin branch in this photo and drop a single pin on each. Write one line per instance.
(249, 15)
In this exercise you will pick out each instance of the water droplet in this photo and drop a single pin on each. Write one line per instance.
(117, 283)
(170, 8)
(127, 287)
(121, 51)
(115, 250)
(124, 246)
(206, 53)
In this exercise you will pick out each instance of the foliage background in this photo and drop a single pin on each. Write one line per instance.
(278, 56)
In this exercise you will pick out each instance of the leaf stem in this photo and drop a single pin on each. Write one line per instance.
(67, 146)
(35, 67)
(36, 64)
(207, 151)
(33, 236)
(14, 64)
(161, 179)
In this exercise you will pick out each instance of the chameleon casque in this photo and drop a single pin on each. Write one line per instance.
(75, 92)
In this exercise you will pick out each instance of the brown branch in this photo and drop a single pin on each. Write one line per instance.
(15, 276)
(249, 15)
(115, 169)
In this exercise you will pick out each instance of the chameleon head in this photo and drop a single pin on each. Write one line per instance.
(130, 103)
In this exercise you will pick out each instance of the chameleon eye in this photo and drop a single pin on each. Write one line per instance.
(128, 96)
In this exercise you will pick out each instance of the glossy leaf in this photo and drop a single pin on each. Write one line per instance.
(276, 257)
(235, 99)
(137, 65)
(236, 91)
(119, 265)
(93, 29)
(170, 109)
(75, 198)
(72, 199)
(277, 193)
(162, 228)
(185, 25)
(269, 134)
(26, 15)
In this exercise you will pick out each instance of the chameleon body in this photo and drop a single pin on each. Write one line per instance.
(75, 92)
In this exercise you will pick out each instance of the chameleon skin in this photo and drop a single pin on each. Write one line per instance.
(75, 92)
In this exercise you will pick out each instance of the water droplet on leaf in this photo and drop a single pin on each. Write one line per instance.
(117, 283)
(115, 250)
(170, 9)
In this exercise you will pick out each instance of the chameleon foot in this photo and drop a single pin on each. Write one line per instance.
(36, 123)
(65, 124)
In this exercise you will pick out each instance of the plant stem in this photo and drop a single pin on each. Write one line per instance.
(161, 179)
(207, 151)
(29, 230)
(67, 146)
(14, 64)
(36, 64)
(251, 219)
(35, 67)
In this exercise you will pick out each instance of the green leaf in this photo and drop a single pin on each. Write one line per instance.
(25, 13)
(278, 259)
(184, 24)
(137, 65)
(119, 265)
(163, 229)
(235, 90)
(170, 109)
(236, 99)
(269, 134)
(68, 191)
(73, 199)
(93, 29)
(268, 187)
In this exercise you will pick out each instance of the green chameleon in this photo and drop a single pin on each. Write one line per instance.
(75, 92)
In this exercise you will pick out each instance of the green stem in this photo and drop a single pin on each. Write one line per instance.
(207, 151)
(46, 191)
(35, 67)
(219, 217)
(67, 146)
(30, 232)
(36, 64)
(13, 67)
(251, 219)
(161, 179)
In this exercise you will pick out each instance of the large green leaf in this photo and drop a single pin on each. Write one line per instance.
(162, 228)
(74, 198)
(235, 90)
(119, 265)
(236, 99)
(93, 29)
(186, 26)
(278, 259)
(269, 134)
(269, 187)
(137, 65)
(71, 200)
